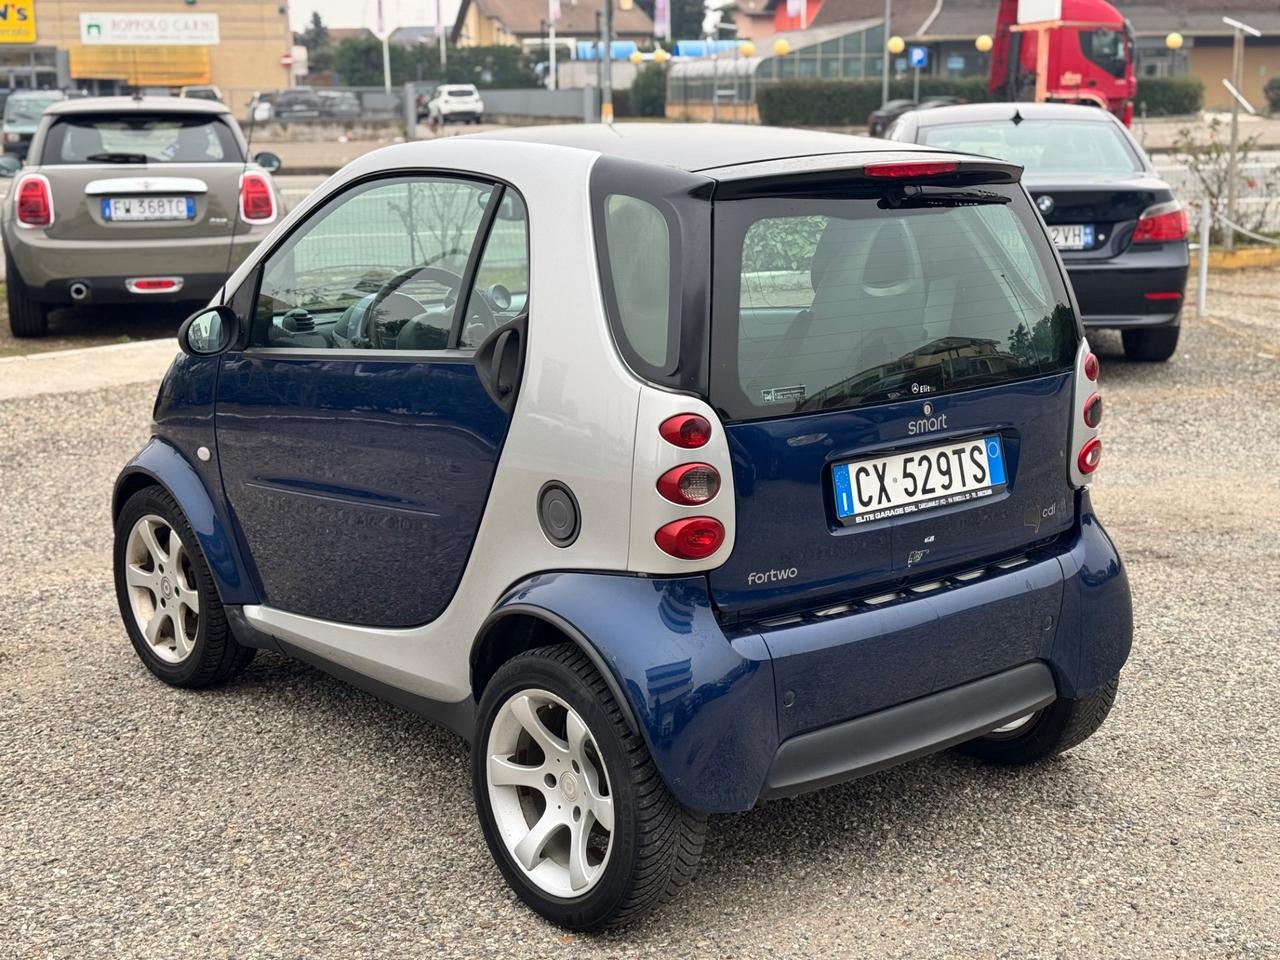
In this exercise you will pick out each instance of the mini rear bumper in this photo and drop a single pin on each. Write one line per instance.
(51, 270)
(1135, 289)
(735, 718)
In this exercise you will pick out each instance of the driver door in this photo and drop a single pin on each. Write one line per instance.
(356, 435)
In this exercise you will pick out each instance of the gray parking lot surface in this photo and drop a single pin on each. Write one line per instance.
(287, 815)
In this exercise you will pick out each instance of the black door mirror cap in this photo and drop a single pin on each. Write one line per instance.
(219, 330)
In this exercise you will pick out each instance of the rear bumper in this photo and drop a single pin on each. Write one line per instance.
(734, 719)
(884, 739)
(49, 267)
(1117, 292)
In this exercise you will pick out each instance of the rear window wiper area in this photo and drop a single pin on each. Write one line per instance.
(914, 195)
(118, 158)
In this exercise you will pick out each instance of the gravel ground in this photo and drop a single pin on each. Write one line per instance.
(287, 815)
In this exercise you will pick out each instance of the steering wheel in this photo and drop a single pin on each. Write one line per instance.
(386, 339)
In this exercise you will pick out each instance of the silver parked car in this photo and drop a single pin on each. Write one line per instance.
(129, 200)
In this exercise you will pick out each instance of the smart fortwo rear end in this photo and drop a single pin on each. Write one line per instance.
(770, 461)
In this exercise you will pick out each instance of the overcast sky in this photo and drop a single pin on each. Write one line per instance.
(364, 13)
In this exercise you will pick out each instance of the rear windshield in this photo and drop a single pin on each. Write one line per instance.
(460, 91)
(839, 302)
(140, 138)
(1042, 146)
(27, 109)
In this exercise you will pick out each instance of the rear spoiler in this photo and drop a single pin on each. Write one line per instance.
(872, 172)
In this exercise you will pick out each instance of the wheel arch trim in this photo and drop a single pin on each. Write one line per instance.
(161, 464)
(570, 632)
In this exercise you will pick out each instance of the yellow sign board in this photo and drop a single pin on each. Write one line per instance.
(17, 21)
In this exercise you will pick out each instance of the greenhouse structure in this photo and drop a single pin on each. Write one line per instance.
(724, 86)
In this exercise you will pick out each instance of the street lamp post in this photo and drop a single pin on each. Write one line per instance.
(884, 77)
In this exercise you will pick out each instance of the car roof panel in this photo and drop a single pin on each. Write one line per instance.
(694, 147)
(138, 105)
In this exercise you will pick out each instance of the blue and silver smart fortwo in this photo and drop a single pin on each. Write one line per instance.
(676, 469)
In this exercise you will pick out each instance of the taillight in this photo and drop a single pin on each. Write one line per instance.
(257, 202)
(917, 168)
(1090, 455)
(690, 484)
(687, 430)
(693, 538)
(1091, 367)
(35, 205)
(1093, 411)
(1161, 223)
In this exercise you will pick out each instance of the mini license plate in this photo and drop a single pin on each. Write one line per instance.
(119, 209)
(1071, 236)
(905, 483)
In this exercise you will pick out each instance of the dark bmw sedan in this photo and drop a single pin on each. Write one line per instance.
(1121, 233)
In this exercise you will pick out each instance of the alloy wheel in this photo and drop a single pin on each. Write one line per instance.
(162, 591)
(549, 793)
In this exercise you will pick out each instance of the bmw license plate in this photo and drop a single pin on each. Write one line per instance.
(905, 483)
(148, 208)
(1071, 236)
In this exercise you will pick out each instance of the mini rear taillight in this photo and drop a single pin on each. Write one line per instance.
(1161, 223)
(1093, 410)
(257, 201)
(690, 484)
(910, 170)
(1090, 455)
(35, 204)
(1091, 367)
(694, 538)
(687, 430)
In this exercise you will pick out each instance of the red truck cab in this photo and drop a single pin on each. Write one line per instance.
(1085, 56)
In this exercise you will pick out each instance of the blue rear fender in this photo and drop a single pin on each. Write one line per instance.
(162, 463)
(703, 703)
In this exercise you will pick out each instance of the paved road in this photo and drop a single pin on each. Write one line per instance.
(289, 816)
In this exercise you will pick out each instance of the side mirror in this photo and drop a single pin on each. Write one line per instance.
(268, 162)
(9, 165)
(209, 332)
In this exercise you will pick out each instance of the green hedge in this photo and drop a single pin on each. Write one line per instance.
(1170, 96)
(845, 103)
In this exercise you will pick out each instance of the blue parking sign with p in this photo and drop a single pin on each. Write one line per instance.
(917, 57)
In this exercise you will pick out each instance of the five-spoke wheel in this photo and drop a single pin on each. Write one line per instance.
(162, 592)
(170, 608)
(572, 807)
(549, 791)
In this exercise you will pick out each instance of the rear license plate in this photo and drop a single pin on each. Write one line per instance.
(905, 483)
(1071, 236)
(149, 208)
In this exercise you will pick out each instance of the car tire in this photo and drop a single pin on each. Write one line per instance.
(654, 845)
(27, 317)
(1155, 345)
(165, 575)
(1063, 724)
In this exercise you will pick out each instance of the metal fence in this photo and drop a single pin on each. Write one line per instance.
(1258, 196)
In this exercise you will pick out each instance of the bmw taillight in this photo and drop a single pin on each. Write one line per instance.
(1161, 223)
(693, 538)
(257, 200)
(35, 202)
(690, 484)
(688, 430)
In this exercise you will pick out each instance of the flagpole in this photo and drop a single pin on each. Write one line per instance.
(444, 47)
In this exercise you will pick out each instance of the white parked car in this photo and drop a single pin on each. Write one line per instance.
(455, 102)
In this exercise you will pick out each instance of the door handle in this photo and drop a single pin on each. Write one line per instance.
(500, 362)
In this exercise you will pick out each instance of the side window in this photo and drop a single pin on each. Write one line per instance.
(639, 253)
(501, 289)
(380, 268)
